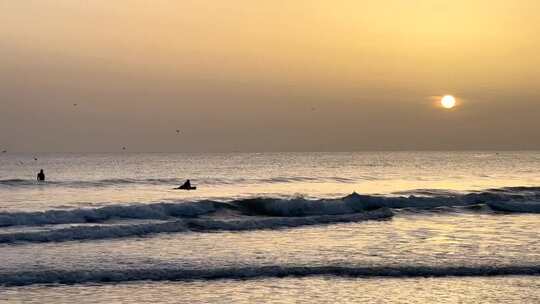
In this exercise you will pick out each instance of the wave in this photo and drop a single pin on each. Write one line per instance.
(521, 199)
(142, 211)
(23, 278)
(275, 207)
(16, 182)
(198, 225)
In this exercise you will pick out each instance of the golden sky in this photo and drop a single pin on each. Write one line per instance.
(276, 75)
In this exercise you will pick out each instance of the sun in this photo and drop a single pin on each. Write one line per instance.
(448, 101)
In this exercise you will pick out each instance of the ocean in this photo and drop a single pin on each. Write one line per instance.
(373, 227)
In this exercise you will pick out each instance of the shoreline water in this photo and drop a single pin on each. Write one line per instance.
(112, 220)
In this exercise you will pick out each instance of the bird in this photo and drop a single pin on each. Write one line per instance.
(123, 148)
(4, 151)
(35, 158)
(74, 104)
(177, 131)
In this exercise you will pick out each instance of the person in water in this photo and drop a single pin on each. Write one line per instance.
(187, 185)
(41, 176)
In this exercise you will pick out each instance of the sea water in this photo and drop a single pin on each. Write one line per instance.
(377, 227)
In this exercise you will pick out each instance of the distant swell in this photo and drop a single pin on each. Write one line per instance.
(244, 273)
(90, 183)
(199, 225)
(114, 182)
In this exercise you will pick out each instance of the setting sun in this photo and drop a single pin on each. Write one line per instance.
(448, 101)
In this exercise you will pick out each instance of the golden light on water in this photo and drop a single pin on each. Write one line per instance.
(448, 102)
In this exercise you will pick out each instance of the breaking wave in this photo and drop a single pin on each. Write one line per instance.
(254, 272)
(198, 225)
(522, 199)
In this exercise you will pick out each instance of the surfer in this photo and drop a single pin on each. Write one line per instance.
(41, 176)
(187, 186)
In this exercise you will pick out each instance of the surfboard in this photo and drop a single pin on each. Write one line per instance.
(184, 188)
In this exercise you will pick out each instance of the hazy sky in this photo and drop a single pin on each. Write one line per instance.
(268, 75)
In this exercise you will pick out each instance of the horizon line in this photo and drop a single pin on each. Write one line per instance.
(285, 151)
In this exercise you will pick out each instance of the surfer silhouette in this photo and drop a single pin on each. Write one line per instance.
(41, 176)
(187, 186)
